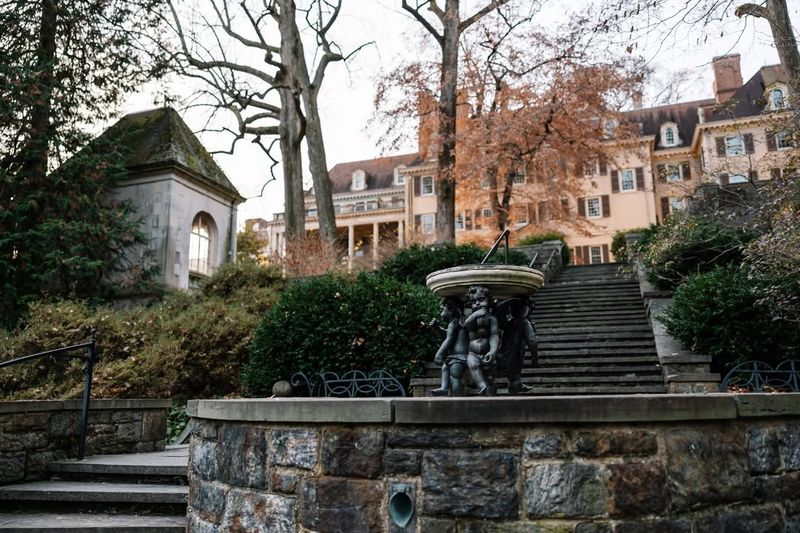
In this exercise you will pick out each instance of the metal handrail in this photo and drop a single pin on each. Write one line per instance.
(88, 370)
(496, 244)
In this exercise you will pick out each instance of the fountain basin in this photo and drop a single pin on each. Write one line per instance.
(504, 281)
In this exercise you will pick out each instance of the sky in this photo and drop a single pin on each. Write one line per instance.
(347, 97)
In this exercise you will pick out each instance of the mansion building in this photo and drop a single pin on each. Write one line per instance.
(735, 137)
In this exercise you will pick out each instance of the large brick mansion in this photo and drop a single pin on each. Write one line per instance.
(733, 137)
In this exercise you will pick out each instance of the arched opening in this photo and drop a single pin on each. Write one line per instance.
(201, 243)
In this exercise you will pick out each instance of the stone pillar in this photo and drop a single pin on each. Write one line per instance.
(351, 242)
(401, 233)
(376, 237)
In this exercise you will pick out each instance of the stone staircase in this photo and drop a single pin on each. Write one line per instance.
(594, 338)
(130, 493)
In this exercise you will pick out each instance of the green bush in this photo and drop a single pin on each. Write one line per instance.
(413, 264)
(187, 345)
(234, 276)
(337, 323)
(619, 246)
(716, 313)
(686, 245)
(539, 238)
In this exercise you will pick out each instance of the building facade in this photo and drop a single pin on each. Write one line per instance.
(732, 138)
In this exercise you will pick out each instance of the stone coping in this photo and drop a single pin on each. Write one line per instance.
(503, 410)
(35, 406)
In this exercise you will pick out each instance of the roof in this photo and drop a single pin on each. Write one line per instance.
(380, 172)
(160, 138)
(684, 114)
(748, 100)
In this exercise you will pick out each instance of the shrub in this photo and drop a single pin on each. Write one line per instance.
(716, 313)
(619, 246)
(187, 345)
(413, 264)
(234, 276)
(338, 323)
(686, 245)
(539, 238)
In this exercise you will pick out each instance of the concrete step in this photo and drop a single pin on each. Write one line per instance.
(596, 307)
(599, 322)
(554, 328)
(597, 361)
(617, 389)
(542, 371)
(611, 282)
(574, 347)
(85, 491)
(597, 351)
(90, 523)
(172, 462)
(609, 336)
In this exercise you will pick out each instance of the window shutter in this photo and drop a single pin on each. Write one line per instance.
(579, 168)
(772, 142)
(724, 179)
(605, 254)
(639, 178)
(468, 219)
(417, 223)
(753, 175)
(687, 170)
(478, 221)
(601, 160)
(614, 181)
(562, 165)
(587, 255)
(417, 185)
(582, 206)
(775, 173)
(661, 172)
(606, 206)
(565, 206)
(542, 211)
(720, 146)
(664, 208)
(749, 148)
(578, 255)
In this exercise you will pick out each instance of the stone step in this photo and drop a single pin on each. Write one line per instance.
(597, 290)
(553, 361)
(574, 370)
(597, 307)
(597, 351)
(172, 462)
(609, 336)
(574, 347)
(611, 282)
(90, 523)
(617, 389)
(552, 328)
(634, 320)
(85, 491)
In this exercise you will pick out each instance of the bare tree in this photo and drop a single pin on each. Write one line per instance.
(776, 13)
(446, 27)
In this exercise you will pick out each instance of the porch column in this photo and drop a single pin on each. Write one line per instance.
(376, 236)
(351, 243)
(401, 233)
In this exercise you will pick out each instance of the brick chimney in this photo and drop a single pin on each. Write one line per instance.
(727, 76)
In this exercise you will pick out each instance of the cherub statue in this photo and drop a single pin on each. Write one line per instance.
(484, 337)
(452, 354)
(518, 333)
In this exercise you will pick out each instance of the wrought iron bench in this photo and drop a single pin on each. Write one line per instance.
(351, 384)
(758, 376)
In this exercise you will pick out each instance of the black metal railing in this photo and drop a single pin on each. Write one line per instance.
(758, 376)
(88, 370)
(351, 384)
(503, 236)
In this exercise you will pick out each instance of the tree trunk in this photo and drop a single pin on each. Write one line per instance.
(291, 135)
(785, 42)
(446, 190)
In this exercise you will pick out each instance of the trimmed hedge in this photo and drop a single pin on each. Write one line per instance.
(339, 323)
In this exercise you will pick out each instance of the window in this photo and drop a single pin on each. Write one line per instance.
(737, 178)
(487, 213)
(427, 185)
(595, 254)
(485, 185)
(359, 180)
(734, 145)
(372, 205)
(776, 98)
(674, 173)
(627, 180)
(782, 140)
(669, 137)
(610, 127)
(399, 177)
(200, 244)
(312, 212)
(521, 214)
(460, 222)
(518, 179)
(428, 221)
(337, 208)
(360, 206)
(676, 204)
(593, 208)
(588, 168)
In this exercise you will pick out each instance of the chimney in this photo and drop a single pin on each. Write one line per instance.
(727, 76)
(427, 132)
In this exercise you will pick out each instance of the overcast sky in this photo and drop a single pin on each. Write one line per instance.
(346, 99)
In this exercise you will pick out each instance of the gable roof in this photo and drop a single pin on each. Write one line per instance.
(159, 138)
(749, 100)
(380, 172)
(684, 114)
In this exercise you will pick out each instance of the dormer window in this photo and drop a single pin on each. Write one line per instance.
(399, 177)
(776, 98)
(669, 135)
(359, 180)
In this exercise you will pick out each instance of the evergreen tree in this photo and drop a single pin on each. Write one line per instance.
(65, 65)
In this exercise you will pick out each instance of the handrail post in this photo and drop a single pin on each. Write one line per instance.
(506, 235)
(87, 392)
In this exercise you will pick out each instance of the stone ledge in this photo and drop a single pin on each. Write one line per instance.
(767, 404)
(329, 410)
(685, 358)
(686, 377)
(33, 406)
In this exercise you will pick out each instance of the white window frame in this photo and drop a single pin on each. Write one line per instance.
(399, 177)
(523, 211)
(485, 185)
(734, 145)
(518, 179)
(592, 250)
(359, 180)
(589, 168)
(460, 221)
(782, 140)
(594, 204)
(200, 244)
(781, 103)
(312, 212)
(427, 223)
(426, 187)
(676, 203)
(674, 172)
(669, 131)
(487, 212)
(359, 207)
(622, 180)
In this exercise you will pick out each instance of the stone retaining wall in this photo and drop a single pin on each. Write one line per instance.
(660, 463)
(34, 433)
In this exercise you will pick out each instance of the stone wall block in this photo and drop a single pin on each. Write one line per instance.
(207, 498)
(430, 438)
(402, 462)
(247, 511)
(743, 519)
(65, 423)
(294, 447)
(352, 453)
(337, 505)
(545, 445)
(203, 458)
(481, 484)
(129, 431)
(37, 463)
(154, 425)
(707, 467)
(786, 485)
(144, 447)
(31, 440)
(242, 456)
(124, 417)
(12, 467)
(790, 446)
(195, 524)
(680, 525)
(284, 481)
(593, 527)
(26, 422)
(637, 489)
(570, 490)
(762, 445)
(603, 443)
(429, 524)
(545, 526)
